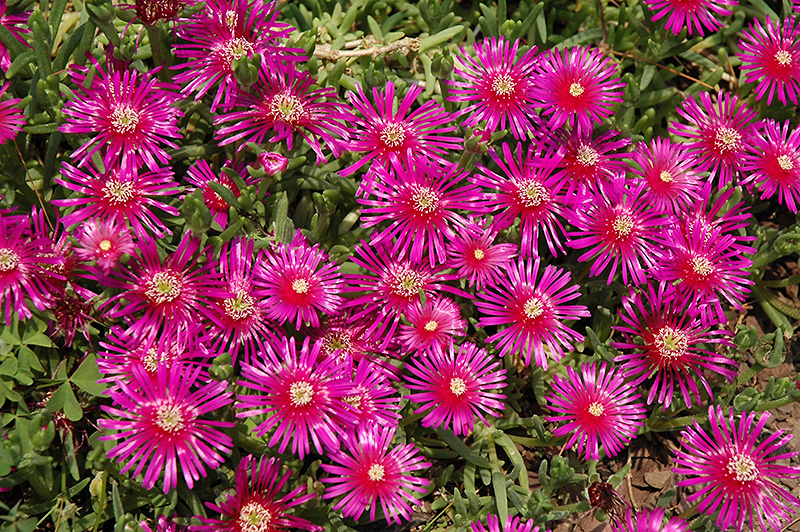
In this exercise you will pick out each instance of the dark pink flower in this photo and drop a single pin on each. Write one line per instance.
(373, 400)
(12, 23)
(477, 257)
(695, 15)
(599, 408)
(646, 520)
(104, 241)
(11, 117)
(513, 524)
(272, 162)
(672, 182)
(370, 474)
(432, 326)
(736, 469)
(772, 163)
(498, 86)
(771, 56)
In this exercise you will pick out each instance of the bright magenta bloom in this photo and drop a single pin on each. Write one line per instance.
(371, 473)
(576, 86)
(532, 310)
(11, 117)
(673, 347)
(118, 197)
(223, 32)
(420, 201)
(599, 408)
(346, 337)
(618, 228)
(301, 395)
(736, 474)
(12, 23)
(104, 241)
(131, 115)
(773, 163)
(771, 56)
(282, 102)
(525, 191)
(161, 428)
(694, 15)
(477, 257)
(433, 326)
(497, 86)
(257, 504)
(513, 524)
(390, 137)
(672, 182)
(716, 134)
(298, 282)
(374, 400)
(455, 385)
(646, 520)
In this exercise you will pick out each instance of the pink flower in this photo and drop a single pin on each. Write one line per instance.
(772, 163)
(716, 134)
(664, 339)
(374, 401)
(513, 524)
(371, 474)
(12, 23)
(694, 15)
(477, 257)
(389, 137)
(131, 115)
(256, 503)
(735, 472)
(431, 327)
(161, 426)
(201, 175)
(455, 385)
(576, 86)
(301, 395)
(498, 86)
(346, 337)
(11, 117)
(104, 241)
(672, 182)
(771, 56)
(532, 310)
(599, 408)
(272, 162)
(646, 520)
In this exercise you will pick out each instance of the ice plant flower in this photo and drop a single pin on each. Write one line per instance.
(104, 241)
(345, 337)
(598, 408)
(16, 25)
(432, 326)
(298, 282)
(161, 427)
(497, 86)
(370, 473)
(118, 197)
(716, 133)
(282, 103)
(646, 520)
(476, 255)
(420, 200)
(577, 86)
(374, 400)
(522, 190)
(694, 15)
(736, 475)
(256, 504)
(665, 339)
(513, 524)
(389, 136)
(771, 56)
(772, 163)
(454, 385)
(131, 115)
(533, 311)
(300, 394)
(11, 117)
(671, 181)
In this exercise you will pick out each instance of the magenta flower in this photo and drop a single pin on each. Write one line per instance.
(272, 162)
(618, 228)
(371, 473)
(104, 241)
(736, 474)
(599, 408)
(664, 339)
(11, 117)
(283, 102)
(256, 504)
(533, 311)
(298, 282)
(772, 163)
(455, 385)
(771, 56)
(161, 426)
(118, 197)
(374, 400)
(12, 23)
(498, 87)
(420, 202)
(163, 525)
(301, 395)
(131, 116)
(522, 190)
(513, 524)
(346, 337)
(390, 137)
(716, 134)
(694, 15)
(672, 182)
(646, 520)
(477, 257)
(223, 32)
(577, 86)
(200, 174)
(431, 327)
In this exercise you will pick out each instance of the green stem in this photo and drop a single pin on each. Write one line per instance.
(783, 283)
(764, 257)
(771, 306)
(157, 49)
(678, 422)
(777, 403)
(432, 522)
(529, 442)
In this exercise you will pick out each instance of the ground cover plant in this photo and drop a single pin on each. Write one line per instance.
(381, 265)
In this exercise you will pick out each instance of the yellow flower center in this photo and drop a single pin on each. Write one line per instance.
(701, 266)
(431, 326)
(286, 107)
(727, 140)
(234, 49)
(742, 467)
(254, 517)
(300, 286)
(424, 200)
(240, 307)
(118, 192)
(169, 418)
(479, 254)
(503, 85)
(783, 58)
(671, 343)
(785, 162)
(532, 193)
(576, 89)
(124, 120)
(623, 225)
(376, 472)
(596, 409)
(533, 308)
(393, 135)
(301, 393)
(104, 245)
(458, 386)
(405, 282)
(665, 177)
(587, 156)
(163, 287)
(9, 260)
